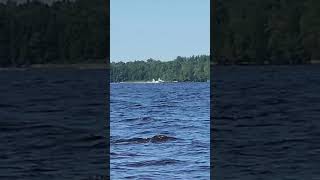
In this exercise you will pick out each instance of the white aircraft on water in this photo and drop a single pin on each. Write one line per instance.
(157, 81)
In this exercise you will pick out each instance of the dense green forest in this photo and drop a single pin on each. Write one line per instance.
(62, 32)
(77, 31)
(194, 68)
(268, 31)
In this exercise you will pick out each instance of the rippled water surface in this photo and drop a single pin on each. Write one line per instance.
(266, 122)
(160, 131)
(52, 124)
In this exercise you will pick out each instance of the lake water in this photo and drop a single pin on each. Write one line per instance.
(52, 124)
(266, 125)
(160, 131)
(266, 122)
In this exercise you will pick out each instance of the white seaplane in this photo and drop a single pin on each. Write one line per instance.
(156, 81)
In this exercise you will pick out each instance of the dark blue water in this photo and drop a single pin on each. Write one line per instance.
(160, 131)
(266, 122)
(52, 124)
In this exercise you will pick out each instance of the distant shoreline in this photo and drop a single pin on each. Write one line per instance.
(148, 82)
(104, 66)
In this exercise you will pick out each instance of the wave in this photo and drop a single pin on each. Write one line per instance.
(161, 162)
(155, 139)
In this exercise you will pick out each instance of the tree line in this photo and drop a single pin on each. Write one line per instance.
(75, 31)
(267, 32)
(194, 68)
(61, 32)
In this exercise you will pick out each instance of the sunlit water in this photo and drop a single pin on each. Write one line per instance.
(160, 131)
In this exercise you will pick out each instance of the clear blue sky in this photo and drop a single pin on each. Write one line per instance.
(159, 29)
